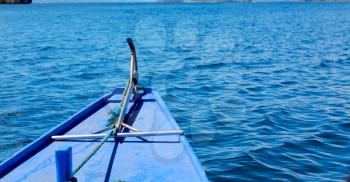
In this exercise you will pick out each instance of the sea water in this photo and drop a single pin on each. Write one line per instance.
(262, 90)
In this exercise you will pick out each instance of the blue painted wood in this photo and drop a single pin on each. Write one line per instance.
(157, 158)
(45, 140)
(63, 158)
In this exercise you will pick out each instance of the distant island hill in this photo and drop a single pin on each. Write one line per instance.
(15, 1)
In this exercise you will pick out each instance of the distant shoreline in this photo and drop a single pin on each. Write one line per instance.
(15, 1)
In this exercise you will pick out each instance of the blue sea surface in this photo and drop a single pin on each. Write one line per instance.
(262, 90)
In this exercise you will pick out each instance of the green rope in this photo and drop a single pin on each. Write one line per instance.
(92, 152)
(124, 92)
(125, 98)
(115, 114)
(111, 126)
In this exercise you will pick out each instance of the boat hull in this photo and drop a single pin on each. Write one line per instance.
(150, 158)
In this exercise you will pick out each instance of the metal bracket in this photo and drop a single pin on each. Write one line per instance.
(129, 134)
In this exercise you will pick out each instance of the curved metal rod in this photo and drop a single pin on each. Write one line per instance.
(132, 84)
(133, 60)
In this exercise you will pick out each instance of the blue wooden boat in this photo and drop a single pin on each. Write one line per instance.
(128, 135)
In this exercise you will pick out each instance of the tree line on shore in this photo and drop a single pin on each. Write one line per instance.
(15, 1)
